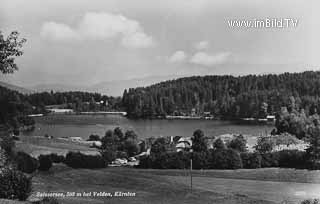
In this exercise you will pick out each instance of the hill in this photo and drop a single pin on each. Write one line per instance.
(110, 88)
(16, 88)
(226, 96)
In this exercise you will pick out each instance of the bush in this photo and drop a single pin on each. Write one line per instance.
(225, 159)
(173, 160)
(251, 160)
(45, 162)
(292, 159)
(57, 158)
(145, 162)
(270, 159)
(26, 163)
(79, 160)
(14, 184)
(108, 155)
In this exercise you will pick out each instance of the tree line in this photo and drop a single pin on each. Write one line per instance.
(226, 97)
(77, 100)
(229, 155)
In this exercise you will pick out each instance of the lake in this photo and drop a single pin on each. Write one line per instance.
(84, 125)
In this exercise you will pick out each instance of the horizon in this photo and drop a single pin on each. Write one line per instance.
(111, 41)
(66, 88)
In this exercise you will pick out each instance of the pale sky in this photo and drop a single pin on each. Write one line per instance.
(84, 42)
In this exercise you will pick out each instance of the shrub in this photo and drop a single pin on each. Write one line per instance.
(45, 162)
(57, 158)
(14, 184)
(145, 162)
(26, 163)
(292, 159)
(172, 160)
(79, 160)
(270, 159)
(225, 159)
(251, 160)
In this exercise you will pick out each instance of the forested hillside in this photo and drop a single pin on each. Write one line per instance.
(13, 108)
(226, 96)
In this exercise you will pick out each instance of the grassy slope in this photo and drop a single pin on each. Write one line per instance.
(37, 145)
(149, 187)
(263, 174)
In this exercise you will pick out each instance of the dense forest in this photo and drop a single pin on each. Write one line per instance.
(13, 108)
(226, 97)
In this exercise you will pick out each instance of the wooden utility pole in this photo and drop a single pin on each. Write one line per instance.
(191, 174)
(191, 151)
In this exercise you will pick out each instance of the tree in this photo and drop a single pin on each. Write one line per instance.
(314, 149)
(219, 144)
(251, 160)
(131, 134)
(10, 48)
(226, 159)
(26, 163)
(131, 147)
(93, 137)
(159, 146)
(45, 162)
(108, 155)
(7, 144)
(14, 184)
(109, 141)
(264, 144)
(239, 143)
(199, 142)
(117, 132)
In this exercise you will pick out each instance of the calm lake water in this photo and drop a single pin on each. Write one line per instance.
(84, 125)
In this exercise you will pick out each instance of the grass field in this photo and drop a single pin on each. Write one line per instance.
(149, 187)
(39, 145)
(173, 186)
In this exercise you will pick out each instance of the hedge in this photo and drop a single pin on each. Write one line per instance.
(26, 163)
(79, 160)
